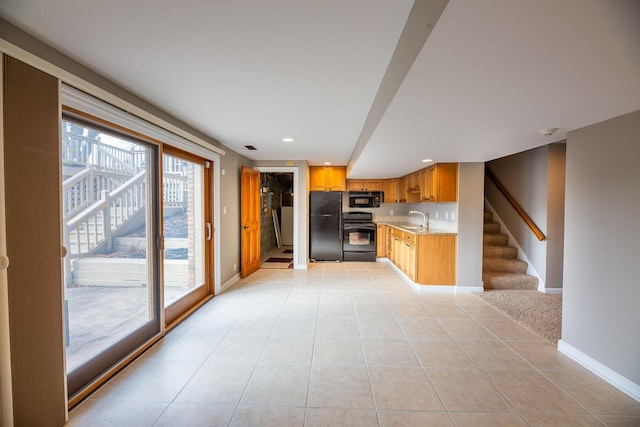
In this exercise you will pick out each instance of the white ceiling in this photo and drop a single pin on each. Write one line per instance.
(251, 72)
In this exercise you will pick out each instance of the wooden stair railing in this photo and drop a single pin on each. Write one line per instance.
(512, 201)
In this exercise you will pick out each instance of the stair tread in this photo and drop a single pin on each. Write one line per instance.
(518, 281)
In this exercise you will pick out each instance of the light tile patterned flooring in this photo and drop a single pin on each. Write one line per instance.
(352, 344)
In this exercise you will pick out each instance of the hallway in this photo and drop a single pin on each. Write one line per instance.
(352, 344)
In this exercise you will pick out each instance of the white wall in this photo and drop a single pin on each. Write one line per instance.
(601, 307)
(470, 224)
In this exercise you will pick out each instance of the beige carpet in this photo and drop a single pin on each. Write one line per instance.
(542, 313)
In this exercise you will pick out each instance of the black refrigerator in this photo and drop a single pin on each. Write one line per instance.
(325, 226)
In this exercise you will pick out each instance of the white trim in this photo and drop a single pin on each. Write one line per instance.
(89, 104)
(6, 393)
(91, 89)
(297, 195)
(469, 289)
(217, 242)
(432, 288)
(552, 290)
(229, 283)
(513, 242)
(615, 379)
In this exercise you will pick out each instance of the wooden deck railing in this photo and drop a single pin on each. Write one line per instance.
(94, 226)
(512, 201)
(84, 188)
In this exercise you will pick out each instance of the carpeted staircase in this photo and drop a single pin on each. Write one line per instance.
(500, 267)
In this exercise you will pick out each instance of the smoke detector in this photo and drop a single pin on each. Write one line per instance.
(547, 131)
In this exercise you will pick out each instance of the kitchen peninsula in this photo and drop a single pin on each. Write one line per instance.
(426, 255)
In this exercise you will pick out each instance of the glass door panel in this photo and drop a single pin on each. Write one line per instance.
(186, 230)
(111, 302)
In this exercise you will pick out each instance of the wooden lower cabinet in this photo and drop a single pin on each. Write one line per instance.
(436, 259)
(410, 256)
(427, 259)
(381, 240)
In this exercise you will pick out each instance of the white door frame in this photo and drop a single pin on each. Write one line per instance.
(295, 171)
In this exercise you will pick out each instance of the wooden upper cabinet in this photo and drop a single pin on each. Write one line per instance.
(436, 183)
(440, 183)
(413, 187)
(413, 182)
(364, 185)
(402, 189)
(328, 178)
(390, 188)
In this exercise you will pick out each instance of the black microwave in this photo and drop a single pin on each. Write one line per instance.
(365, 199)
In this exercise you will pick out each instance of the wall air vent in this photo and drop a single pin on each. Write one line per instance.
(250, 147)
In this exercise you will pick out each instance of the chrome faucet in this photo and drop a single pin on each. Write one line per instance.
(425, 218)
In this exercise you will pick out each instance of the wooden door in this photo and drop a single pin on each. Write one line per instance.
(249, 221)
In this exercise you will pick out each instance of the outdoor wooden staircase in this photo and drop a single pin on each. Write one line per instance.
(500, 267)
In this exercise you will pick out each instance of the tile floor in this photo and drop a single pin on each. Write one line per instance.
(352, 344)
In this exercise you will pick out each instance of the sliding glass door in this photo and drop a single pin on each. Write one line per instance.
(187, 231)
(110, 228)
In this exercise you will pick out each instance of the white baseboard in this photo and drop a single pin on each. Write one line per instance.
(615, 379)
(226, 285)
(300, 267)
(433, 288)
(468, 289)
(552, 290)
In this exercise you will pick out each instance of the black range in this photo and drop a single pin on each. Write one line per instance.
(359, 236)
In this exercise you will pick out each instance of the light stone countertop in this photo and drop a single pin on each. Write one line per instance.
(416, 229)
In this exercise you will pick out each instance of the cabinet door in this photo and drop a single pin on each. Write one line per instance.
(381, 241)
(429, 184)
(317, 178)
(402, 189)
(410, 259)
(447, 182)
(354, 185)
(372, 185)
(390, 190)
(436, 264)
(336, 178)
(396, 248)
(327, 178)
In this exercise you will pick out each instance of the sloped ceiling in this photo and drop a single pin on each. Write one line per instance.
(340, 77)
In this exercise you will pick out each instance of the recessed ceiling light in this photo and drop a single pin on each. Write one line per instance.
(327, 163)
(427, 160)
(287, 139)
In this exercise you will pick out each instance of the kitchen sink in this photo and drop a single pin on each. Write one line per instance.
(414, 227)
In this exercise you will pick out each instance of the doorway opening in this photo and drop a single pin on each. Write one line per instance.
(276, 220)
(285, 201)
